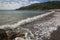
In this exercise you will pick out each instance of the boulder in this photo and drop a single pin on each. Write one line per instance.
(3, 35)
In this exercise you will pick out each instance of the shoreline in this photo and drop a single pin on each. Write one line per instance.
(46, 25)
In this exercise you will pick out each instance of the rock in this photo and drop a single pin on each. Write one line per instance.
(20, 34)
(10, 35)
(3, 35)
(13, 35)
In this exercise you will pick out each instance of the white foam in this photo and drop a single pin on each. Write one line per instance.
(28, 20)
(18, 38)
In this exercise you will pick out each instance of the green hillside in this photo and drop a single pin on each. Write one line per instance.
(42, 6)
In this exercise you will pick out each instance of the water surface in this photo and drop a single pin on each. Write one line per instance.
(10, 17)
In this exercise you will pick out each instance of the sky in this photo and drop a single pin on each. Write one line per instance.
(14, 4)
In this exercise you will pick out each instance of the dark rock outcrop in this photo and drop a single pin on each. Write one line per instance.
(10, 35)
(13, 35)
(3, 35)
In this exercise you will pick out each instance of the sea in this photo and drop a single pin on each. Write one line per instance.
(13, 16)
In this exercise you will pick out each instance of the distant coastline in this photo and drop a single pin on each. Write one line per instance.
(42, 6)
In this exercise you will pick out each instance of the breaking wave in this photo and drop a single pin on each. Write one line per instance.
(33, 31)
(28, 20)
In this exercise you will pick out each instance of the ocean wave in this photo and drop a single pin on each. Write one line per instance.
(25, 21)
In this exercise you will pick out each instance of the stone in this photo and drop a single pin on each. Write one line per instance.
(3, 35)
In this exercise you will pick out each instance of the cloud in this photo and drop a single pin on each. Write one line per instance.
(34, 2)
(12, 4)
(8, 6)
(24, 0)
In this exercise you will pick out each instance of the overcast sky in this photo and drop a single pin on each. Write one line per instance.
(14, 4)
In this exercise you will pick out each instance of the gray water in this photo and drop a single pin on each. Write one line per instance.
(11, 17)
